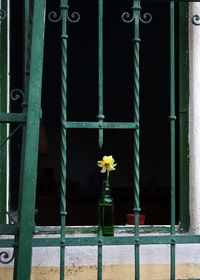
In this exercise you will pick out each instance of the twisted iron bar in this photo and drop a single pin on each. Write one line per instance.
(3, 14)
(128, 18)
(100, 116)
(136, 144)
(5, 258)
(73, 18)
(64, 7)
(196, 20)
(63, 118)
(136, 42)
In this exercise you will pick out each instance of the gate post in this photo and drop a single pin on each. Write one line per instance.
(26, 208)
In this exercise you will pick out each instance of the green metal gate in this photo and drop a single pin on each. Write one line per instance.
(29, 119)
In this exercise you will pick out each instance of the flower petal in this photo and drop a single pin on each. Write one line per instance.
(107, 163)
(103, 170)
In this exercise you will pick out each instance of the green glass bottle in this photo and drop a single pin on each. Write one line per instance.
(106, 211)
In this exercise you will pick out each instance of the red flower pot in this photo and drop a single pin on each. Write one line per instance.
(131, 219)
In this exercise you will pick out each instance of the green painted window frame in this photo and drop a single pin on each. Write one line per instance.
(183, 117)
(3, 108)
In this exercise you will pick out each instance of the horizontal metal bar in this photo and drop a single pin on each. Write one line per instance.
(186, 239)
(8, 229)
(164, 1)
(74, 241)
(124, 240)
(13, 117)
(6, 243)
(104, 125)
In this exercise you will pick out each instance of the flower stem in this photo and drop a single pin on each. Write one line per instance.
(107, 176)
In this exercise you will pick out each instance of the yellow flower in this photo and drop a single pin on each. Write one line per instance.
(107, 164)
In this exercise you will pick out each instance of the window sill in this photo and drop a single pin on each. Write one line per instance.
(93, 230)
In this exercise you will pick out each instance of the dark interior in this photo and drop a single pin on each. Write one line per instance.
(84, 179)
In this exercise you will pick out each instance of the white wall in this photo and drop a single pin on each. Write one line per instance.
(113, 255)
(194, 119)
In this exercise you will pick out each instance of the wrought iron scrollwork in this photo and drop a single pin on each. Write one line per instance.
(5, 258)
(146, 18)
(53, 17)
(196, 20)
(3, 14)
(73, 18)
(128, 17)
(16, 93)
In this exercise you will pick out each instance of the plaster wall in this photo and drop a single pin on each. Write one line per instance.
(194, 120)
(118, 263)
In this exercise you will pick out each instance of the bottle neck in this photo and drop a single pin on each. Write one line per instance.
(107, 189)
(103, 188)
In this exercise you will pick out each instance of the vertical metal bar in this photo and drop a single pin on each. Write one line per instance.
(172, 129)
(28, 38)
(23, 256)
(3, 108)
(183, 115)
(136, 41)
(64, 7)
(27, 57)
(8, 110)
(99, 276)
(126, 17)
(100, 69)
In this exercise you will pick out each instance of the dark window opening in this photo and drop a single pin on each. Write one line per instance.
(83, 176)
